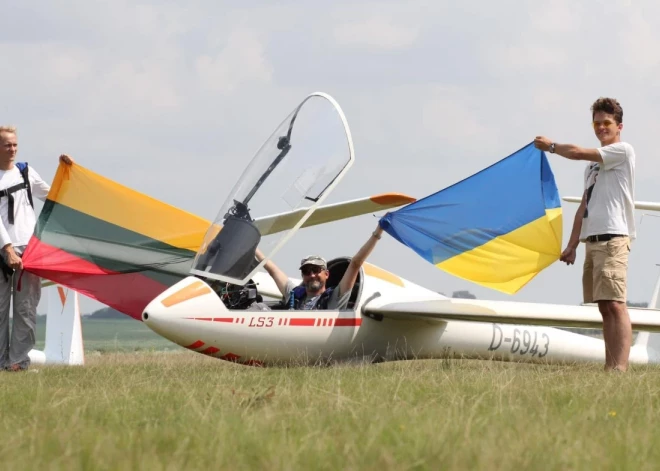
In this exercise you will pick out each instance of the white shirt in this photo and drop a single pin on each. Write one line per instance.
(610, 193)
(25, 220)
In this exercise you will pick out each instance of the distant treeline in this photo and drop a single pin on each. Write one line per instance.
(106, 313)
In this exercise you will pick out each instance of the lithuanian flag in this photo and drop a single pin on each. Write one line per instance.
(111, 243)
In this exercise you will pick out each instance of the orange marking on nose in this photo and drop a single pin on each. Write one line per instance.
(193, 290)
(60, 290)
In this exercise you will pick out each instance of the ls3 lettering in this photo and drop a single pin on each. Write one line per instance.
(261, 322)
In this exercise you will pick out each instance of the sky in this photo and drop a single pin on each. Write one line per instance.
(167, 98)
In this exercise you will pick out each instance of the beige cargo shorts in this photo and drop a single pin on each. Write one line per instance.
(605, 272)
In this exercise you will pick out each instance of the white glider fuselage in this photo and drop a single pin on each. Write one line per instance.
(193, 316)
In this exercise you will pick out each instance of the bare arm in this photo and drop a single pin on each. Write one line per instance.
(275, 273)
(574, 240)
(348, 280)
(573, 152)
(568, 255)
(570, 151)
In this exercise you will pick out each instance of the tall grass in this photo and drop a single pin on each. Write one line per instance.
(183, 410)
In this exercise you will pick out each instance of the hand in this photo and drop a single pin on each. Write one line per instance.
(568, 256)
(13, 260)
(542, 142)
(65, 159)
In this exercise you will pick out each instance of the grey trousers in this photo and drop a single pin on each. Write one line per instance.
(24, 325)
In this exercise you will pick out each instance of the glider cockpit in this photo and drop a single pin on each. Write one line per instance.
(242, 297)
(296, 168)
(292, 173)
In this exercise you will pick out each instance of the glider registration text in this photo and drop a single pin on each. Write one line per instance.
(522, 341)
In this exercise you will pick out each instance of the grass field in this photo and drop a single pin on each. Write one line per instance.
(159, 410)
(135, 405)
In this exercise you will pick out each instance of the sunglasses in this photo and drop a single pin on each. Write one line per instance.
(607, 123)
(311, 270)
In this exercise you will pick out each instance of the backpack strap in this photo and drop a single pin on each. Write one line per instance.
(296, 295)
(23, 168)
(9, 192)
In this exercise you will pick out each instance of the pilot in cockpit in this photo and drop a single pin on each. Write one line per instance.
(313, 293)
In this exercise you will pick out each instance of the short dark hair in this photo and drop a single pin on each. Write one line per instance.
(609, 106)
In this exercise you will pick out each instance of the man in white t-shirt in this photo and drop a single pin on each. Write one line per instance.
(605, 222)
(17, 223)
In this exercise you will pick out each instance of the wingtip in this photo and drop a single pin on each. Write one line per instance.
(392, 199)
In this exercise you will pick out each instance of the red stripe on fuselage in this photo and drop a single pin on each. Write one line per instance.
(294, 321)
(348, 322)
(302, 322)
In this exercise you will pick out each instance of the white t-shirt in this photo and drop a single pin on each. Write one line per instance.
(610, 190)
(25, 219)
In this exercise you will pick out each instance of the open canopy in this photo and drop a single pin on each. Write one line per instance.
(294, 171)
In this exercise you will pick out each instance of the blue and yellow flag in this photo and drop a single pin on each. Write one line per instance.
(498, 228)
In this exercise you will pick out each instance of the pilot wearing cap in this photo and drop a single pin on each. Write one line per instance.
(313, 293)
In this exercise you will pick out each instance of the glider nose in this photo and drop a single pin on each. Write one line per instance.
(175, 314)
(182, 301)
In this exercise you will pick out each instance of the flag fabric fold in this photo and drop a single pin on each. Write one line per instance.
(498, 228)
(109, 242)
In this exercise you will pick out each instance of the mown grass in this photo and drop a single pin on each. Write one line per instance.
(183, 410)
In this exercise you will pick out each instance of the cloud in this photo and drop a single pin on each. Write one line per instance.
(241, 62)
(557, 17)
(640, 44)
(376, 33)
(171, 99)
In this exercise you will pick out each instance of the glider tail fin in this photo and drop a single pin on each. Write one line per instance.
(64, 342)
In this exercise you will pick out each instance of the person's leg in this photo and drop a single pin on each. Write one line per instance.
(5, 302)
(621, 333)
(593, 261)
(611, 294)
(23, 335)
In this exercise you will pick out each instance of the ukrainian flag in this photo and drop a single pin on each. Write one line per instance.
(498, 228)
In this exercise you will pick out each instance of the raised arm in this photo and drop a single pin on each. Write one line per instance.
(348, 280)
(275, 273)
